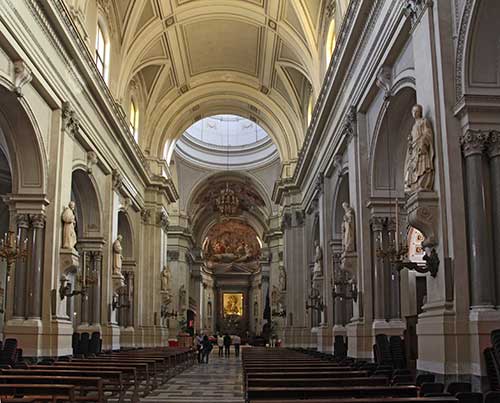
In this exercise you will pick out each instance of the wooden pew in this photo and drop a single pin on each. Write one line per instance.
(82, 384)
(112, 381)
(446, 399)
(316, 382)
(267, 393)
(310, 374)
(55, 392)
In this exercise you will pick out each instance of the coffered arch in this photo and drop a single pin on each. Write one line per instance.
(186, 50)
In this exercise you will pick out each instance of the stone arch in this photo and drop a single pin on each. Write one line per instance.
(125, 229)
(18, 131)
(478, 26)
(88, 206)
(388, 148)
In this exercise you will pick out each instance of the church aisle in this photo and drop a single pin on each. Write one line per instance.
(221, 380)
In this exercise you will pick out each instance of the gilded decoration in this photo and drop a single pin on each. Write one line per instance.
(233, 304)
(231, 242)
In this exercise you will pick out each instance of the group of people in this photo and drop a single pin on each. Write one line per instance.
(204, 346)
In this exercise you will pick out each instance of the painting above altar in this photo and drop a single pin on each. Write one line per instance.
(231, 243)
(233, 304)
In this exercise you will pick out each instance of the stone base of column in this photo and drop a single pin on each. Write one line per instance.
(30, 337)
(481, 323)
(86, 328)
(360, 340)
(437, 340)
(127, 337)
(110, 337)
(393, 327)
(149, 336)
(325, 339)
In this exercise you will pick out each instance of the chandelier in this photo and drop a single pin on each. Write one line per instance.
(227, 202)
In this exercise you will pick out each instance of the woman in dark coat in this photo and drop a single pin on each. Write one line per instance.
(206, 348)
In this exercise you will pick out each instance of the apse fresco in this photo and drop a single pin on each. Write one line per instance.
(233, 304)
(231, 241)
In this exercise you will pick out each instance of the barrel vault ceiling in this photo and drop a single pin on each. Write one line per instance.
(195, 58)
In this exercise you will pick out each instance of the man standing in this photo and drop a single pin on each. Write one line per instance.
(227, 345)
(220, 344)
(237, 343)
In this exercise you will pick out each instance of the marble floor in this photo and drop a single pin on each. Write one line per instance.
(219, 381)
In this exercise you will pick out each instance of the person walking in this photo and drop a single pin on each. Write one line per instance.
(237, 343)
(227, 345)
(220, 344)
(197, 343)
(206, 348)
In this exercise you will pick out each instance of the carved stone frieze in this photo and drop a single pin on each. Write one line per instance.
(494, 144)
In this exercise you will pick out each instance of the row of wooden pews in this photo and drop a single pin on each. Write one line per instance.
(286, 376)
(120, 375)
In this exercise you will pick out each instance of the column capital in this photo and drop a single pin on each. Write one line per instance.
(494, 144)
(23, 220)
(377, 223)
(474, 142)
(38, 221)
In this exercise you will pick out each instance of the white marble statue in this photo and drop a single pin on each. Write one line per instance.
(69, 223)
(419, 163)
(318, 260)
(348, 229)
(282, 279)
(117, 255)
(165, 278)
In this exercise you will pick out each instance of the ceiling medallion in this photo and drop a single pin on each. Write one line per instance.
(227, 202)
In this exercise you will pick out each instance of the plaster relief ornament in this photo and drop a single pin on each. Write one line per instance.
(69, 224)
(318, 261)
(348, 229)
(117, 255)
(165, 278)
(419, 163)
(282, 278)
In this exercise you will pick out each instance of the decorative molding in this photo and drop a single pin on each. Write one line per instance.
(414, 9)
(384, 80)
(377, 223)
(460, 57)
(163, 221)
(320, 182)
(70, 121)
(23, 220)
(146, 215)
(38, 220)
(91, 161)
(299, 218)
(330, 9)
(117, 180)
(286, 221)
(173, 255)
(22, 76)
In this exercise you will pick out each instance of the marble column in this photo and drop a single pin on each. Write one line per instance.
(22, 221)
(339, 303)
(394, 309)
(96, 287)
(480, 245)
(377, 226)
(35, 285)
(84, 305)
(494, 156)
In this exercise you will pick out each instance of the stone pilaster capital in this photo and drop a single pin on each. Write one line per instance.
(299, 218)
(38, 221)
(377, 223)
(163, 220)
(494, 144)
(414, 9)
(286, 221)
(117, 180)
(23, 221)
(474, 142)
(146, 215)
(391, 224)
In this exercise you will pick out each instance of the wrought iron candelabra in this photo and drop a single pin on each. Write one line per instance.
(11, 249)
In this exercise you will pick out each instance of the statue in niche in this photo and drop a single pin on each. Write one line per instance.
(348, 229)
(69, 226)
(419, 163)
(117, 255)
(318, 261)
(166, 275)
(282, 278)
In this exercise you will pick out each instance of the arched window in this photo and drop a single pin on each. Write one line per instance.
(102, 51)
(134, 119)
(331, 40)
